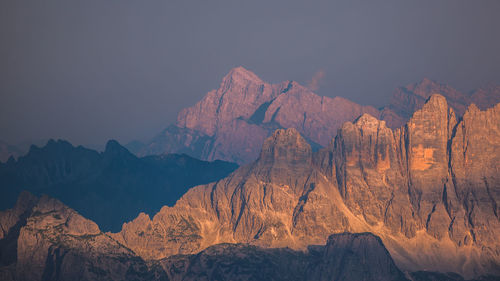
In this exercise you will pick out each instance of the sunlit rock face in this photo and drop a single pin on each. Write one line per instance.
(429, 189)
(475, 174)
(46, 240)
(232, 122)
(49, 241)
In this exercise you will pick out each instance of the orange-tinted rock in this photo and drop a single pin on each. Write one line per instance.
(429, 190)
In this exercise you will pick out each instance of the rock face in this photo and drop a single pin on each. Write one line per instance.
(344, 257)
(109, 187)
(49, 241)
(409, 99)
(429, 190)
(232, 122)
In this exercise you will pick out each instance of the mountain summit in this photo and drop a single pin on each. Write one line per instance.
(429, 190)
(232, 122)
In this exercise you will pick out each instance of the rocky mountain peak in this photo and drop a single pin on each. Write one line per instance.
(241, 74)
(114, 148)
(427, 87)
(232, 122)
(486, 96)
(52, 146)
(426, 83)
(368, 122)
(363, 251)
(285, 146)
(436, 111)
(436, 100)
(50, 212)
(472, 108)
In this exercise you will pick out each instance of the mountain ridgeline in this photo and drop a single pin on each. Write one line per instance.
(419, 202)
(46, 240)
(109, 187)
(232, 122)
(429, 190)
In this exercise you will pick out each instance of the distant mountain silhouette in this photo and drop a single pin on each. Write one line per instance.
(8, 150)
(109, 187)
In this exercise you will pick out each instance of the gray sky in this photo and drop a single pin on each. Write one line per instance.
(88, 71)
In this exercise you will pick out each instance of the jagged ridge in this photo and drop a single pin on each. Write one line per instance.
(53, 242)
(409, 186)
(109, 187)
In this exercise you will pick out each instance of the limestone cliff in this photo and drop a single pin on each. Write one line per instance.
(429, 189)
(49, 241)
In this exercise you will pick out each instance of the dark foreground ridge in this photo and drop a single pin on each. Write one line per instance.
(110, 187)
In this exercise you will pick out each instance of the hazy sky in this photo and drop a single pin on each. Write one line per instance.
(88, 71)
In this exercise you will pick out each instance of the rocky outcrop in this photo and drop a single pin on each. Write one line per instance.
(405, 179)
(109, 187)
(53, 242)
(257, 203)
(232, 122)
(486, 97)
(430, 190)
(344, 257)
(409, 99)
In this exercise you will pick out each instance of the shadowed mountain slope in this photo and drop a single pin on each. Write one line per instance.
(8, 150)
(110, 187)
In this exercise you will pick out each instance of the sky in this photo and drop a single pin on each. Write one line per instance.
(89, 71)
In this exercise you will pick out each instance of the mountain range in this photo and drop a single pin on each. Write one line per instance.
(327, 190)
(109, 187)
(413, 203)
(42, 239)
(232, 122)
(429, 190)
